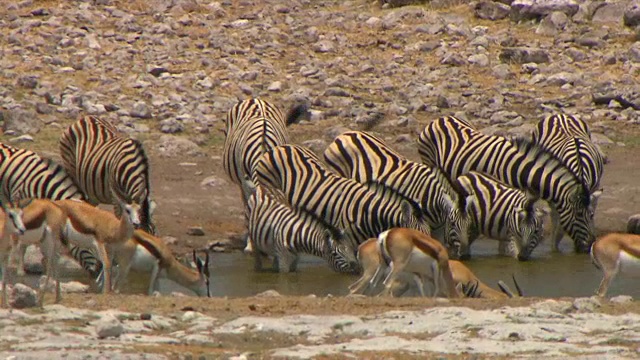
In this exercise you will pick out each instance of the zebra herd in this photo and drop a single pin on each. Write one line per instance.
(469, 184)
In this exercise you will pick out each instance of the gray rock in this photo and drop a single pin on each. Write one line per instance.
(44, 109)
(523, 55)
(33, 260)
(140, 110)
(535, 9)
(576, 55)
(268, 294)
(589, 304)
(336, 131)
(171, 126)
(21, 139)
(621, 299)
(19, 121)
(23, 297)
(213, 181)
(502, 71)
(631, 16)
(481, 60)
(633, 224)
(108, 326)
(170, 145)
(275, 86)
(554, 306)
(454, 59)
(592, 38)
(491, 10)
(195, 231)
(634, 52)
(323, 46)
(316, 145)
(28, 81)
(609, 13)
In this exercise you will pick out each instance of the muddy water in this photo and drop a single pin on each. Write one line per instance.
(547, 274)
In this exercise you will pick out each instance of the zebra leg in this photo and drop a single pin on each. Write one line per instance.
(153, 280)
(106, 265)
(557, 232)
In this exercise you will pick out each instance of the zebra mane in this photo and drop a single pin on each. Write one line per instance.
(528, 146)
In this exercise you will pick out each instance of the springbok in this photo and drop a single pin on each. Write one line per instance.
(408, 250)
(373, 267)
(32, 221)
(616, 253)
(148, 253)
(91, 227)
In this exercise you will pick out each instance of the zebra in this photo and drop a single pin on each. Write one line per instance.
(569, 138)
(106, 164)
(458, 149)
(501, 212)
(367, 159)
(277, 230)
(26, 174)
(362, 212)
(252, 127)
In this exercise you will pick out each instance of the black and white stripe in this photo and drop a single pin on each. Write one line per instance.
(458, 149)
(105, 164)
(344, 203)
(569, 138)
(367, 159)
(503, 213)
(252, 127)
(277, 230)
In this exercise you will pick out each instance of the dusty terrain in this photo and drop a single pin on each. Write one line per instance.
(167, 71)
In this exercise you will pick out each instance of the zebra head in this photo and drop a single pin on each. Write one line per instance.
(528, 231)
(341, 255)
(457, 225)
(577, 217)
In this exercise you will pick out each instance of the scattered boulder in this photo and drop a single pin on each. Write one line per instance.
(589, 304)
(609, 13)
(170, 146)
(537, 9)
(522, 55)
(631, 15)
(633, 224)
(491, 10)
(108, 326)
(18, 121)
(23, 297)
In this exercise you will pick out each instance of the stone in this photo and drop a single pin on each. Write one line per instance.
(523, 55)
(589, 304)
(536, 9)
(268, 294)
(633, 224)
(453, 59)
(634, 52)
(491, 10)
(323, 46)
(21, 139)
(609, 13)
(171, 126)
(316, 145)
(22, 297)
(171, 145)
(108, 326)
(140, 110)
(19, 121)
(481, 60)
(213, 181)
(621, 299)
(28, 81)
(502, 71)
(631, 15)
(195, 231)
(275, 86)
(33, 260)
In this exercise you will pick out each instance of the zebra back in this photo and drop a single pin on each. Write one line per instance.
(25, 172)
(458, 149)
(283, 232)
(252, 127)
(569, 138)
(103, 163)
(367, 159)
(306, 184)
(502, 212)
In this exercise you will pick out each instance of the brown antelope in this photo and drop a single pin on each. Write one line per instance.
(614, 253)
(91, 227)
(148, 253)
(33, 221)
(408, 250)
(373, 266)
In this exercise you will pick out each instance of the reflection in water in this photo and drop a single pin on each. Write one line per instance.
(547, 274)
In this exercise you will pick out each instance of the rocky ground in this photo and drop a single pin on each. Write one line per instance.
(167, 71)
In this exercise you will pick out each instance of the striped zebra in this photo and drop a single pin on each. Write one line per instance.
(252, 127)
(277, 230)
(569, 138)
(106, 164)
(367, 159)
(503, 213)
(25, 174)
(344, 203)
(458, 149)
